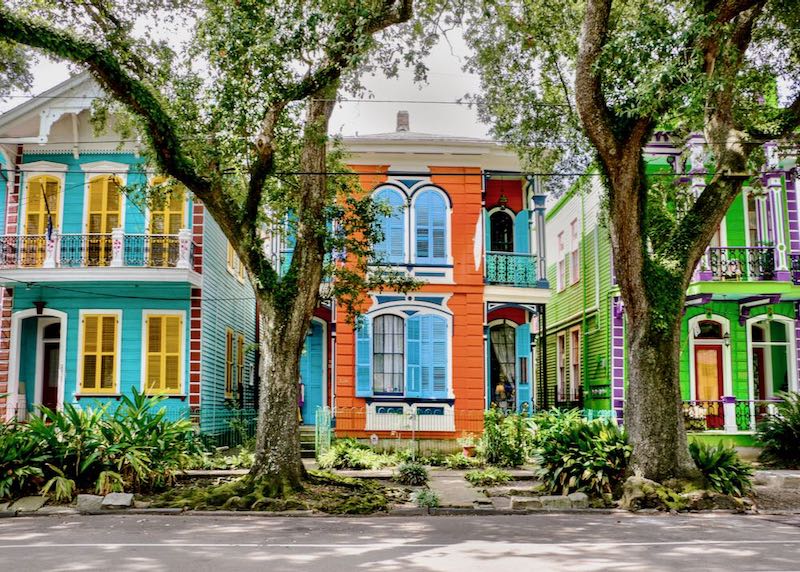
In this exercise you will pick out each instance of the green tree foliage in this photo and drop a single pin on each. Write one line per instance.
(586, 82)
(234, 112)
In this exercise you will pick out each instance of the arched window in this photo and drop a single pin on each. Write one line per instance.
(502, 232)
(388, 350)
(709, 330)
(393, 226)
(430, 233)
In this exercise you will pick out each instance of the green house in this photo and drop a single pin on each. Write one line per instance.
(740, 328)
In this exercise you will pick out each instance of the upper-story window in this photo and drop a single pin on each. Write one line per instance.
(430, 228)
(561, 270)
(41, 207)
(501, 225)
(393, 227)
(402, 356)
(168, 214)
(104, 214)
(574, 260)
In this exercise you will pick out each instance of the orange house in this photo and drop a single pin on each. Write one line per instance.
(427, 364)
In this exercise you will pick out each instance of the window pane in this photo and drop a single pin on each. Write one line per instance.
(387, 357)
(89, 372)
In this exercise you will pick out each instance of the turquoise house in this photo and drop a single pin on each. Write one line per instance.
(103, 292)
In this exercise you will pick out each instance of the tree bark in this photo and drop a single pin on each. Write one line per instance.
(653, 413)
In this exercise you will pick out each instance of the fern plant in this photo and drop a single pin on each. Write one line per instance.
(413, 474)
(723, 471)
(780, 433)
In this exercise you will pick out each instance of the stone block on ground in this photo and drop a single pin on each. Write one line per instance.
(117, 500)
(639, 493)
(791, 482)
(58, 510)
(555, 502)
(523, 503)
(578, 500)
(89, 503)
(4, 506)
(28, 504)
(141, 504)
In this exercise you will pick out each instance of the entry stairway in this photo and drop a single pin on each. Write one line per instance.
(307, 441)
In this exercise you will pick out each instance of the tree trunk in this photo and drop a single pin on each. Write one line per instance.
(278, 465)
(653, 412)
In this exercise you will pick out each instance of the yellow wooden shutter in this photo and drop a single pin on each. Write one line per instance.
(163, 351)
(99, 353)
(240, 360)
(104, 215)
(229, 363)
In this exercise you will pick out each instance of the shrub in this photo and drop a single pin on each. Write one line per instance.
(458, 461)
(135, 447)
(722, 469)
(780, 433)
(425, 498)
(413, 474)
(488, 477)
(591, 457)
(507, 439)
(350, 454)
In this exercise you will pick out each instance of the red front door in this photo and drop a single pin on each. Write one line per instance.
(50, 375)
(708, 383)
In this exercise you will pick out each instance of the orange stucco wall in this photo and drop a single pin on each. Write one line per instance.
(466, 304)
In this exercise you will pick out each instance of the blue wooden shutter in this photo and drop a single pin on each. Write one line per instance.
(439, 362)
(431, 228)
(413, 357)
(392, 247)
(522, 233)
(523, 342)
(363, 359)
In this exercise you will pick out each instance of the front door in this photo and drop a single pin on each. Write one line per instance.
(50, 359)
(312, 374)
(708, 385)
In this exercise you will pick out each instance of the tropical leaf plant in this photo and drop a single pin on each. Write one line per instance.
(723, 471)
(779, 434)
(60, 487)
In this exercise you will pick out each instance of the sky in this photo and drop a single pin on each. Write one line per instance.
(446, 83)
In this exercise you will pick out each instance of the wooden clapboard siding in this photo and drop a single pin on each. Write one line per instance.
(226, 303)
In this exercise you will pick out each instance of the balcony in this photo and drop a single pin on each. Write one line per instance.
(738, 264)
(510, 269)
(30, 255)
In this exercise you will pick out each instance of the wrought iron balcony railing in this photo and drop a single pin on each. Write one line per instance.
(512, 269)
(739, 264)
(794, 262)
(115, 249)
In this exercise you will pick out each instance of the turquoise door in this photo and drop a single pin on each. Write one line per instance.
(312, 370)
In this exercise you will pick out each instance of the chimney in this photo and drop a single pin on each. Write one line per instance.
(402, 121)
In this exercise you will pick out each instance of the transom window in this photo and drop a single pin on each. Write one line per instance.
(709, 330)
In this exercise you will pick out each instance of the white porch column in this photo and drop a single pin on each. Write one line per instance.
(50, 250)
(117, 247)
(729, 413)
(184, 248)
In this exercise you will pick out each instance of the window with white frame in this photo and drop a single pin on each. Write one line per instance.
(574, 363)
(403, 356)
(561, 367)
(561, 272)
(574, 260)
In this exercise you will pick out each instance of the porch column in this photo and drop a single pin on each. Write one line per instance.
(50, 250)
(184, 248)
(775, 190)
(729, 413)
(117, 247)
(541, 243)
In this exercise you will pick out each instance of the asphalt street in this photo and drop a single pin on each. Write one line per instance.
(578, 542)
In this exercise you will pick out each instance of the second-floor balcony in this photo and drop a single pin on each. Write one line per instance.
(742, 264)
(512, 269)
(113, 250)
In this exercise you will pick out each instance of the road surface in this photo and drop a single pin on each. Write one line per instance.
(579, 542)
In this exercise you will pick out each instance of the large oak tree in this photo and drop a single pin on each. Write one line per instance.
(561, 78)
(238, 113)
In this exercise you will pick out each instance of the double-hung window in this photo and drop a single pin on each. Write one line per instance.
(561, 271)
(99, 351)
(430, 232)
(228, 364)
(574, 363)
(392, 247)
(561, 367)
(574, 260)
(402, 356)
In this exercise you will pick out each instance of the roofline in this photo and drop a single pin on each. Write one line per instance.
(37, 100)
